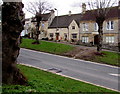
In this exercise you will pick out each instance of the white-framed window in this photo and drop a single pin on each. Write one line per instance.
(110, 25)
(110, 39)
(74, 35)
(85, 39)
(51, 35)
(85, 27)
(73, 27)
(96, 27)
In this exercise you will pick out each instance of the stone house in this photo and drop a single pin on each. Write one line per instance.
(89, 33)
(47, 18)
(65, 28)
(27, 27)
(83, 28)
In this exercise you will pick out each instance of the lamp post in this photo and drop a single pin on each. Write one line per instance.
(57, 24)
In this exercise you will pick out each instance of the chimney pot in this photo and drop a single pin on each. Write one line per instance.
(70, 13)
(83, 7)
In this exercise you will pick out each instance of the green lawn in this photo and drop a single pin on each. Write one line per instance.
(111, 58)
(42, 81)
(44, 46)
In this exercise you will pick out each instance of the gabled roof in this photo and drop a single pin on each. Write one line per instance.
(27, 19)
(45, 17)
(65, 20)
(90, 14)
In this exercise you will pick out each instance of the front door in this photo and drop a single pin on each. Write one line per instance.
(57, 36)
(96, 39)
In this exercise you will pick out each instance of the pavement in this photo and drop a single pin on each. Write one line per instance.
(98, 74)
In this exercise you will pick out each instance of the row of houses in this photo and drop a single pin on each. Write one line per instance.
(80, 27)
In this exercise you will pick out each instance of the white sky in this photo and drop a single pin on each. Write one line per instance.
(63, 6)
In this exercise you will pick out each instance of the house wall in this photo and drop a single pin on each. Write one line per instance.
(65, 31)
(61, 32)
(113, 32)
(91, 33)
(73, 31)
(88, 32)
(44, 26)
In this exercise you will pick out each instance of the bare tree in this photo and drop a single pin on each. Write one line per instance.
(100, 10)
(38, 8)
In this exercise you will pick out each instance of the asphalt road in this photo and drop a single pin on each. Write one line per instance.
(98, 74)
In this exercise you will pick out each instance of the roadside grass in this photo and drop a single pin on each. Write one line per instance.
(42, 81)
(44, 46)
(111, 58)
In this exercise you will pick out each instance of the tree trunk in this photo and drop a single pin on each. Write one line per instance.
(38, 19)
(12, 16)
(100, 36)
(37, 32)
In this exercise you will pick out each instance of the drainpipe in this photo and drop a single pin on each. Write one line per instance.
(79, 34)
(119, 26)
(68, 34)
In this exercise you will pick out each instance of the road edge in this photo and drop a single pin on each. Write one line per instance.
(72, 58)
(67, 76)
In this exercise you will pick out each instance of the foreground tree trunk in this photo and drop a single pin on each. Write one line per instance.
(12, 26)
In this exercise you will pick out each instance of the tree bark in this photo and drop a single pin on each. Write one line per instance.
(100, 37)
(38, 19)
(100, 21)
(12, 25)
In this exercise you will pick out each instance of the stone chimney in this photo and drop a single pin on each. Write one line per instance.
(119, 4)
(69, 13)
(52, 11)
(83, 7)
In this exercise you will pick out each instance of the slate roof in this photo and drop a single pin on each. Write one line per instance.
(27, 19)
(65, 20)
(45, 17)
(89, 15)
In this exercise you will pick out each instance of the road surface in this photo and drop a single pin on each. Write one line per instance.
(99, 74)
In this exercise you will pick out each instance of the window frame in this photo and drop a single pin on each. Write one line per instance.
(73, 27)
(74, 36)
(85, 39)
(51, 35)
(110, 25)
(85, 26)
(96, 27)
(110, 39)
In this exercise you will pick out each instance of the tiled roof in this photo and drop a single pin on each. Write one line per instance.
(65, 20)
(27, 19)
(90, 14)
(45, 17)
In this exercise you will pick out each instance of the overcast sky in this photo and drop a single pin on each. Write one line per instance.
(63, 6)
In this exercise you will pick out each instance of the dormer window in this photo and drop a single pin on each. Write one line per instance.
(73, 27)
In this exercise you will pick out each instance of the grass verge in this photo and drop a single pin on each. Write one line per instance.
(110, 58)
(42, 81)
(44, 46)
